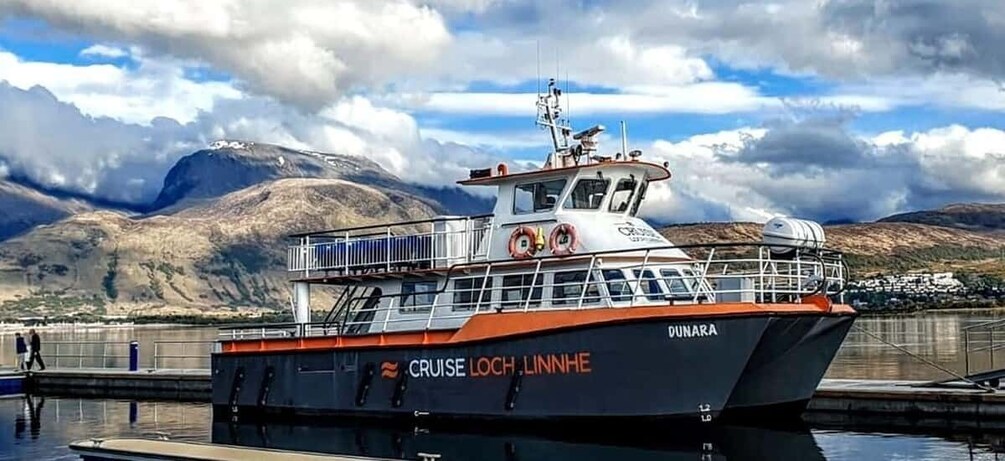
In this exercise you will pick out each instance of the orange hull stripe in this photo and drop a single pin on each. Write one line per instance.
(495, 326)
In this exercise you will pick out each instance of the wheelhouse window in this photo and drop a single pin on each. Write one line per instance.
(467, 292)
(568, 288)
(650, 284)
(537, 197)
(516, 289)
(621, 198)
(617, 286)
(641, 196)
(588, 194)
(417, 296)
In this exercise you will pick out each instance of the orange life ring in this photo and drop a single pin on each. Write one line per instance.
(518, 251)
(502, 169)
(556, 245)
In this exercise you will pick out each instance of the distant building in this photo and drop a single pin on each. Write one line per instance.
(911, 284)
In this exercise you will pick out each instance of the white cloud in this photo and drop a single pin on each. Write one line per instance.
(154, 88)
(953, 90)
(494, 141)
(56, 145)
(306, 52)
(896, 171)
(104, 51)
(698, 98)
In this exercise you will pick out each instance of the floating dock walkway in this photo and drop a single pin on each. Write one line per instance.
(151, 450)
(846, 396)
(11, 383)
(162, 384)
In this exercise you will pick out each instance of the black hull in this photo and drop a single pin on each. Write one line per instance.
(787, 366)
(639, 370)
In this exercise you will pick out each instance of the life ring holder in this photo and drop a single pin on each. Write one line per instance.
(567, 229)
(522, 231)
(502, 169)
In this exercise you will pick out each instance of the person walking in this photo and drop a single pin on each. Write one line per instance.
(36, 349)
(22, 351)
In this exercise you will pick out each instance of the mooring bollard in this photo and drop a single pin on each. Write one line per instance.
(134, 356)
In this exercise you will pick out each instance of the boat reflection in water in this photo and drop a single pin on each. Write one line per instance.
(605, 442)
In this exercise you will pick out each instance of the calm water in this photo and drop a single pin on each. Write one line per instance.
(42, 428)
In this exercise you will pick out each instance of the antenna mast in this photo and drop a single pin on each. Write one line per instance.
(549, 114)
(624, 139)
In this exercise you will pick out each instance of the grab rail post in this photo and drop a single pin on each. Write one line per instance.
(387, 316)
(586, 282)
(432, 309)
(307, 264)
(387, 249)
(432, 246)
(638, 284)
(533, 281)
(760, 275)
(481, 292)
(345, 253)
(704, 272)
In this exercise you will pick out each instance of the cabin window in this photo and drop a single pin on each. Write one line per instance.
(537, 197)
(621, 198)
(677, 284)
(617, 286)
(588, 194)
(417, 297)
(467, 292)
(650, 284)
(568, 288)
(516, 289)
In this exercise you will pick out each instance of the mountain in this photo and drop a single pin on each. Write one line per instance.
(226, 253)
(23, 208)
(877, 247)
(215, 236)
(228, 166)
(971, 216)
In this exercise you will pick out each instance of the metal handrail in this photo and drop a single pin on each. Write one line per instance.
(788, 282)
(347, 252)
(381, 226)
(158, 356)
(80, 357)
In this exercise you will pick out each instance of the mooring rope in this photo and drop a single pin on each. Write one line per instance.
(922, 359)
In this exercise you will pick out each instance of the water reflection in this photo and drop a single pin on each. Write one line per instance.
(32, 428)
(934, 336)
(31, 411)
(603, 442)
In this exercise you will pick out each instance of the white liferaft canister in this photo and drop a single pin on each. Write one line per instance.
(793, 233)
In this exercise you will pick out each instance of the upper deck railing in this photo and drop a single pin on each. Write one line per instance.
(718, 273)
(425, 244)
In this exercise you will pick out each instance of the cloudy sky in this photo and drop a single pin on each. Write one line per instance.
(847, 110)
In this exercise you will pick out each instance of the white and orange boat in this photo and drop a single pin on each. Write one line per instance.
(562, 304)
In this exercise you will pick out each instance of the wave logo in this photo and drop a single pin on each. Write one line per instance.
(389, 370)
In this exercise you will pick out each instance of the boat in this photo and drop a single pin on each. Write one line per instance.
(562, 304)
